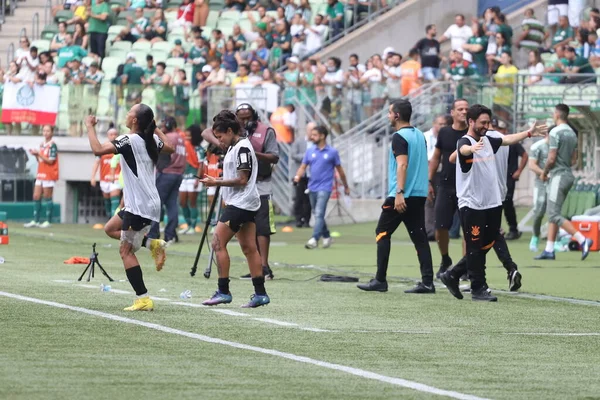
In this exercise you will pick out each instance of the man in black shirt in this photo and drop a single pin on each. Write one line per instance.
(446, 202)
(514, 170)
(429, 51)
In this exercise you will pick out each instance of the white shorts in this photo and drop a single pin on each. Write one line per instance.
(108, 187)
(210, 191)
(575, 9)
(556, 11)
(187, 185)
(491, 48)
(45, 184)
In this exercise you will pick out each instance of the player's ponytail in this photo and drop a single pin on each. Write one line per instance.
(147, 126)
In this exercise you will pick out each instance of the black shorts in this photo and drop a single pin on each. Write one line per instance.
(265, 224)
(132, 222)
(446, 204)
(235, 217)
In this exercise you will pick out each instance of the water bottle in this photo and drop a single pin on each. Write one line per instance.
(1, 260)
(186, 294)
(105, 288)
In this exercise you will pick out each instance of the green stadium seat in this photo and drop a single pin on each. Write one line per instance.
(149, 14)
(162, 46)
(231, 15)
(110, 65)
(226, 26)
(118, 3)
(177, 31)
(49, 31)
(140, 55)
(118, 53)
(41, 44)
(159, 55)
(121, 45)
(174, 4)
(216, 5)
(87, 60)
(149, 97)
(104, 108)
(121, 21)
(114, 29)
(146, 46)
(176, 62)
(63, 15)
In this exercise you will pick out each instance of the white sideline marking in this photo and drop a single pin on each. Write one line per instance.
(289, 356)
(316, 330)
(275, 322)
(229, 312)
(553, 334)
(181, 303)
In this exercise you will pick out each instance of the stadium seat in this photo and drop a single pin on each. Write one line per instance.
(162, 46)
(174, 4)
(170, 16)
(141, 46)
(49, 31)
(121, 45)
(41, 44)
(246, 13)
(231, 15)
(103, 109)
(121, 21)
(177, 31)
(272, 14)
(217, 5)
(226, 26)
(245, 25)
(118, 3)
(176, 62)
(149, 14)
(118, 53)
(110, 65)
(115, 30)
(140, 55)
(149, 97)
(213, 18)
(159, 56)
(87, 60)
(63, 15)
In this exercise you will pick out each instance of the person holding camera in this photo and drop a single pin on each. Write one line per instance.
(169, 175)
(264, 143)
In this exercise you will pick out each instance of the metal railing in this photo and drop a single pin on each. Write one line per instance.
(35, 26)
(7, 8)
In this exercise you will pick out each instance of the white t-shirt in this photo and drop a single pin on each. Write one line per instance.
(536, 70)
(140, 193)
(25, 72)
(314, 41)
(373, 75)
(295, 29)
(241, 157)
(430, 140)
(393, 84)
(458, 36)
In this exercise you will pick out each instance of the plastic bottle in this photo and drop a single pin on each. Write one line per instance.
(105, 288)
(186, 294)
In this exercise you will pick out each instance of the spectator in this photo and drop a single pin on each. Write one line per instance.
(532, 32)
(261, 54)
(203, 90)
(217, 43)
(201, 11)
(302, 210)
(81, 13)
(182, 97)
(491, 28)
(150, 68)
(49, 70)
(459, 67)
(238, 38)
(564, 33)
(335, 17)
(197, 57)
(594, 49)
(98, 27)
(584, 47)
(280, 15)
(135, 28)
(477, 46)
(161, 82)
(185, 15)
(69, 52)
(217, 74)
(258, 75)
(156, 31)
(308, 82)
(133, 76)
(501, 47)
(45, 57)
(58, 40)
(93, 80)
(80, 37)
(411, 72)
(28, 64)
(12, 75)
(177, 51)
(231, 57)
(332, 76)
(297, 25)
(305, 11)
(289, 80)
(373, 80)
(458, 33)
(315, 35)
(429, 52)
(500, 20)
(556, 10)
(505, 79)
(242, 75)
(536, 69)
(66, 6)
(355, 92)
(235, 5)
(282, 42)
(392, 73)
(289, 9)
(575, 65)
(575, 10)
(74, 76)
(299, 44)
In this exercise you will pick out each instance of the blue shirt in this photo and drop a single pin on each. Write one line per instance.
(410, 142)
(322, 164)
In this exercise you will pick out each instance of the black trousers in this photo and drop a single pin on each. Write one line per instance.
(414, 219)
(98, 43)
(481, 229)
(302, 210)
(509, 205)
(502, 252)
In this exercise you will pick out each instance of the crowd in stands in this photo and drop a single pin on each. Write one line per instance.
(182, 50)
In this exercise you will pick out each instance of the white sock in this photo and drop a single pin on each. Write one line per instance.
(550, 247)
(142, 295)
(579, 237)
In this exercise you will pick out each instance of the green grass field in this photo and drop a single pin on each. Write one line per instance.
(315, 340)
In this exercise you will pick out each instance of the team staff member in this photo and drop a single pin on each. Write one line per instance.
(515, 168)
(480, 195)
(169, 175)
(537, 161)
(301, 200)
(446, 202)
(139, 154)
(431, 139)
(109, 180)
(562, 155)
(407, 193)
(323, 160)
(188, 191)
(47, 175)
(240, 169)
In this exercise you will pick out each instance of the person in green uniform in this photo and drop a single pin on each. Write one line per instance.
(477, 46)
(190, 186)
(576, 65)
(132, 80)
(73, 79)
(150, 68)
(562, 155)
(99, 21)
(69, 52)
(564, 33)
(289, 80)
(460, 69)
(197, 57)
(161, 82)
(182, 97)
(93, 79)
(308, 93)
(537, 161)
(135, 27)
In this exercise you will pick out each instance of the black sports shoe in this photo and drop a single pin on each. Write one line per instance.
(513, 235)
(514, 280)
(451, 284)
(267, 273)
(421, 288)
(373, 286)
(443, 267)
(585, 248)
(483, 294)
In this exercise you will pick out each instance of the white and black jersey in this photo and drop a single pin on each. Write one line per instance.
(501, 163)
(241, 157)
(477, 175)
(139, 192)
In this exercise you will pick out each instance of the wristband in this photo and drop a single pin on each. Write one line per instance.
(529, 133)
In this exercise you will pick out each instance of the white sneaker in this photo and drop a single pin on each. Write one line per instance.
(190, 231)
(31, 224)
(183, 231)
(311, 244)
(327, 242)
(45, 225)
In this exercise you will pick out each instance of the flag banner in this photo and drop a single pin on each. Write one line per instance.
(37, 105)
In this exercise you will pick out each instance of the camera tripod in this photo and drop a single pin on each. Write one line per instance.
(93, 262)
(215, 209)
